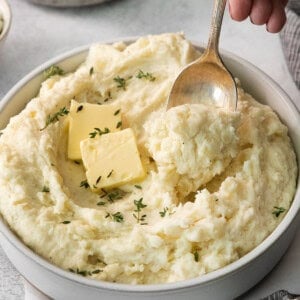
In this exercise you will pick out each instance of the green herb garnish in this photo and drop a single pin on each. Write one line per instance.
(138, 186)
(121, 82)
(91, 71)
(79, 108)
(278, 211)
(101, 203)
(53, 70)
(139, 206)
(84, 273)
(196, 256)
(66, 222)
(115, 195)
(166, 211)
(163, 213)
(110, 173)
(97, 271)
(108, 96)
(147, 76)
(119, 124)
(117, 112)
(84, 184)
(117, 217)
(98, 131)
(45, 189)
(98, 179)
(55, 117)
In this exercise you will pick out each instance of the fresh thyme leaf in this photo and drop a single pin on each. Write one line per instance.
(82, 273)
(101, 203)
(147, 75)
(139, 206)
(45, 189)
(55, 117)
(119, 124)
(97, 271)
(110, 173)
(118, 217)
(109, 97)
(79, 108)
(196, 256)
(91, 71)
(98, 131)
(166, 211)
(77, 162)
(84, 184)
(66, 222)
(53, 70)
(117, 112)
(138, 186)
(115, 195)
(98, 179)
(163, 213)
(278, 211)
(121, 82)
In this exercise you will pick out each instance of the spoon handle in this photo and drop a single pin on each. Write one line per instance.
(215, 27)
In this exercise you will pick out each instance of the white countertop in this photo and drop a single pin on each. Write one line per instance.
(40, 33)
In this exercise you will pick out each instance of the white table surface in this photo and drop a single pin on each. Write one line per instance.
(39, 33)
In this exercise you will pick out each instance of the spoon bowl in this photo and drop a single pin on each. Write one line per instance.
(207, 80)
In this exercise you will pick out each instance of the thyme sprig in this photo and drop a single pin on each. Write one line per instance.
(98, 131)
(121, 82)
(117, 217)
(55, 117)
(166, 211)
(138, 216)
(144, 75)
(115, 195)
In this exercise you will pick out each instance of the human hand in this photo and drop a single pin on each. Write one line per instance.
(269, 12)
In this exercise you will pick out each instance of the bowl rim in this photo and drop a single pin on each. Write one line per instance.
(7, 18)
(208, 278)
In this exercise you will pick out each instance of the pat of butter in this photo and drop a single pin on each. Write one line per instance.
(84, 118)
(111, 160)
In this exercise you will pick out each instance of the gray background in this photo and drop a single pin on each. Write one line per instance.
(39, 33)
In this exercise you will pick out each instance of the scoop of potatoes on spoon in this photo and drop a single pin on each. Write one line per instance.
(207, 80)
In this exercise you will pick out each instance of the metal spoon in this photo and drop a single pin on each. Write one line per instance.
(207, 80)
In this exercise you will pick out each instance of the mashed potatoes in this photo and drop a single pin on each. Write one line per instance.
(217, 184)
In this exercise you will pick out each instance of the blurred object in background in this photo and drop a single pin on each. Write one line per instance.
(67, 3)
(290, 37)
(5, 20)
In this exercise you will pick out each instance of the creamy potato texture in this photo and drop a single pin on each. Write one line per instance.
(217, 184)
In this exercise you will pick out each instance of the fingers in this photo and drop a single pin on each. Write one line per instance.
(270, 12)
(261, 11)
(240, 9)
(277, 18)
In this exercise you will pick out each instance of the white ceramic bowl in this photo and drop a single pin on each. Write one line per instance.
(225, 283)
(5, 12)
